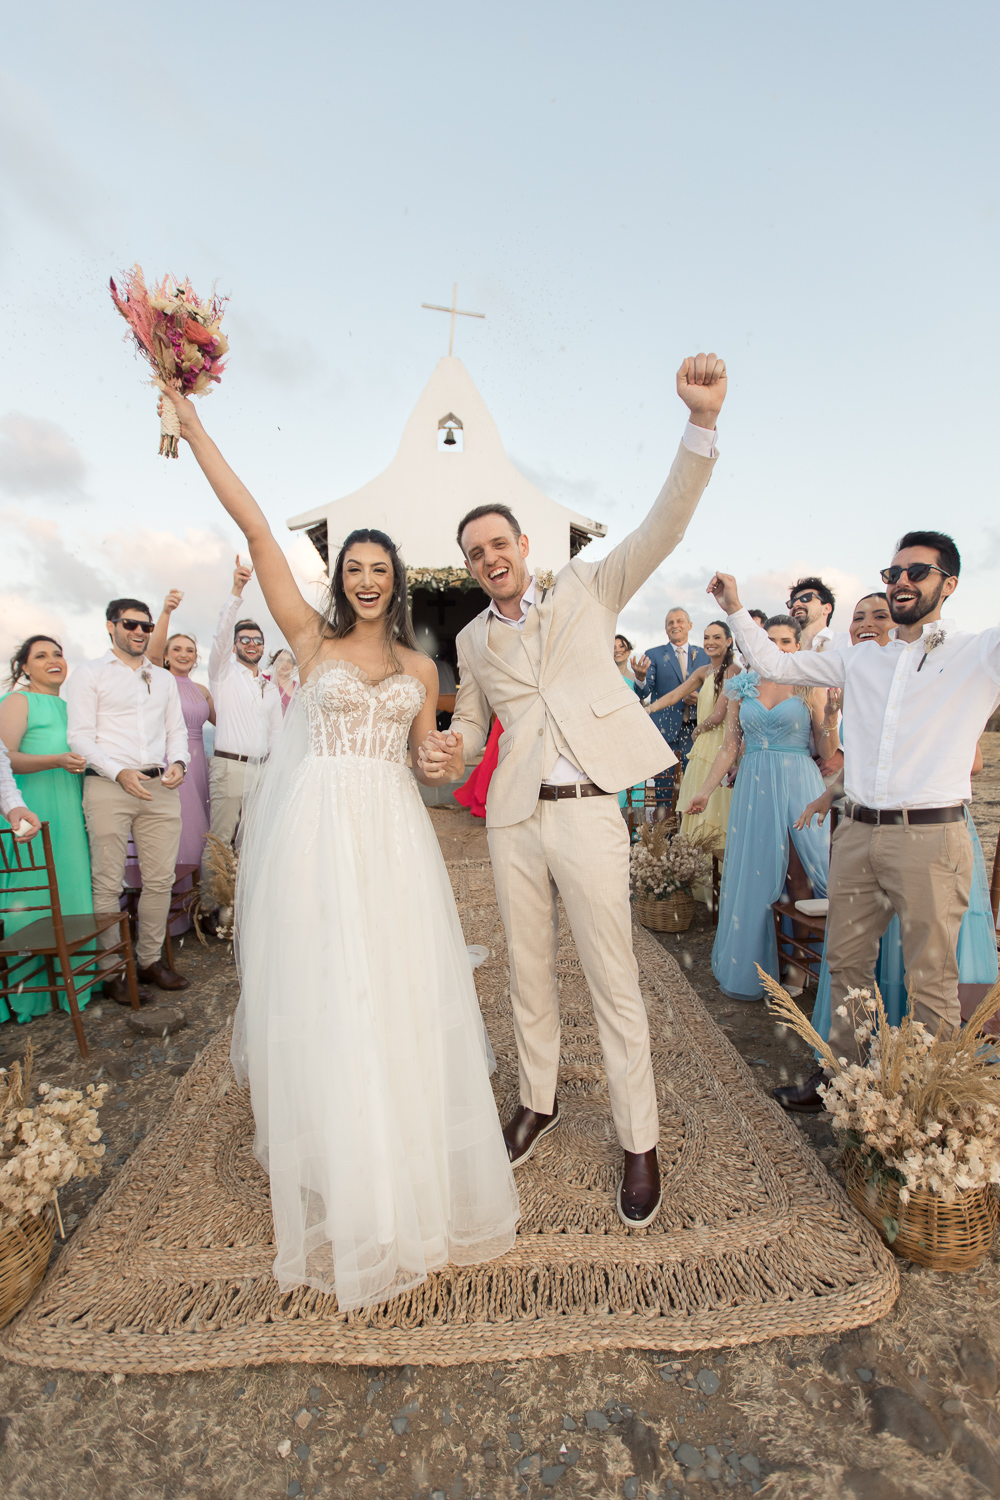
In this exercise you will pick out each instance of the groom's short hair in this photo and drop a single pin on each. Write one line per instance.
(487, 510)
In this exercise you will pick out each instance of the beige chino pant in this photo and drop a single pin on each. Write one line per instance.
(111, 814)
(226, 784)
(578, 848)
(924, 875)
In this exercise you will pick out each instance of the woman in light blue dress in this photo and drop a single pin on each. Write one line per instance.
(765, 853)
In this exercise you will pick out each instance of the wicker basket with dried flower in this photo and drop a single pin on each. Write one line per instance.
(662, 872)
(919, 1124)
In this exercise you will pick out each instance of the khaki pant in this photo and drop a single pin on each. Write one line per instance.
(111, 815)
(226, 784)
(580, 849)
(924, 875)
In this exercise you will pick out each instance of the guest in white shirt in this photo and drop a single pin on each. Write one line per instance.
(247, 708)
(811, 603)
(914, 709)
(12, 802)
(125, 718)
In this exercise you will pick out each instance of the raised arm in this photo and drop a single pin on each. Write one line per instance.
(723, 762)
(298, 622)
(679, 694)
(701, 385)
(158, 640)
(813, 668)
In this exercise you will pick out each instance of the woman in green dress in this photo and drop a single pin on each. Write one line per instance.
(33, 728)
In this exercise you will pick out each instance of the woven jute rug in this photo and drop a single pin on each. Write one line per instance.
(755, 1240)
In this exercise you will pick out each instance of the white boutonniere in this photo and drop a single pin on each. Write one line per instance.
(932, 639)
(147, 678)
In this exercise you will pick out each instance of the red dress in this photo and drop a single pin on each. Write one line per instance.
(472, 792)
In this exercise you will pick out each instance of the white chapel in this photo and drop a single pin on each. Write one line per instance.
(450, 458)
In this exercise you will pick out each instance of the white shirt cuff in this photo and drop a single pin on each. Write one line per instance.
(700, 440)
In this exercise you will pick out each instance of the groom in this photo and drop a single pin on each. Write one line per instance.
(574, 734)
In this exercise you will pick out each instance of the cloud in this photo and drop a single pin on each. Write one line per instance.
(37, 457)
(53, 572)
(35, 167)
(286, 358)
(585, 496)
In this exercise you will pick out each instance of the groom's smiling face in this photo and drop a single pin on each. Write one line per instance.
(496, 557)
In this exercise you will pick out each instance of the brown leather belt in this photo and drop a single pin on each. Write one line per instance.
(228, 755)
(574, 789)
(908, 816)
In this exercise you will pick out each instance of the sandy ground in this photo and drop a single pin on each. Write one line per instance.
(789, 1419)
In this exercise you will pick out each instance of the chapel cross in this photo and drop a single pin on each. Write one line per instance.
(456, 312)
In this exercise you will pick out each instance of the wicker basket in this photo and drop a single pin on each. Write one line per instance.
(25, 1246)
(943, 1236)
(666, 914)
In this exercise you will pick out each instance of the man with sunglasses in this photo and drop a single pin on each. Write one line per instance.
(247, 709)
(125, 717)
(914, 711)
(811, 605)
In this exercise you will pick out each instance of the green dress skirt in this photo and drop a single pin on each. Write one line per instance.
(56, 798)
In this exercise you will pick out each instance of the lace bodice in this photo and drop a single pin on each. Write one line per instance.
(348, 714)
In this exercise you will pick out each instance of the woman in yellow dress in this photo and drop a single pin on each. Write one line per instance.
(708, 682)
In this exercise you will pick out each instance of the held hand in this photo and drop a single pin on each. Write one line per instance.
(691, 698)
(832, 764)
(241, 577)
(697, 804)
(133, 783)
(440, 756)
(172, 600)
(723, 586)
(175, 775)
(701, 385)
(75, 764)
(640, 666)
(19, 815)
(818, 809)
(187, 414)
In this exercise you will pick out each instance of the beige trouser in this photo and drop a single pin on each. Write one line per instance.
(226, 783)
(924, 875)
(112, 814)
(580, 849)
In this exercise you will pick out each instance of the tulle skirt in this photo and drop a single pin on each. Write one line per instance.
(360, 1034)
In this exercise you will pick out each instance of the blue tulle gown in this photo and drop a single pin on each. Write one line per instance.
(977, 952)
(777, 779)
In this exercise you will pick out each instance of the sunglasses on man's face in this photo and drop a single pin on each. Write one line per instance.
(803, 599)
(249, 640)
(916, 572)
(146, 626)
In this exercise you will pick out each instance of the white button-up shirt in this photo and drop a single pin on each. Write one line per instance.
(910, 731)
(10, 793)
(123, 718)
(247, 704)
(700, 440)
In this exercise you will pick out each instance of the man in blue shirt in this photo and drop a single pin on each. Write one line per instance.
(669, 666)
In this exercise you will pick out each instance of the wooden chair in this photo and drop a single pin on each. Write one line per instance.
(806, 955)
(180, 900)
(57, 935)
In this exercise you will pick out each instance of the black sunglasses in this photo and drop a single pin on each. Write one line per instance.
(916, 572)
(803, 599)
(146, 626)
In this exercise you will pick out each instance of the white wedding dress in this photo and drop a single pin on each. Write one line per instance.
(358, 1027)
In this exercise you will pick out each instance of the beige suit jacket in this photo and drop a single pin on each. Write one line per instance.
(565, 672)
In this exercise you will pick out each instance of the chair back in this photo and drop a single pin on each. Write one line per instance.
(28, 870)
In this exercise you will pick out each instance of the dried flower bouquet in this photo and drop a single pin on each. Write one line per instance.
(43, 1146)
(661, 866)
(180, 337)
(924, 1110)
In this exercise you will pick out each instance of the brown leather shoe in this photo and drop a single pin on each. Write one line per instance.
(525, 1130)
(802, 1097)
(639, 1193)
(162, 977)
(117, 990)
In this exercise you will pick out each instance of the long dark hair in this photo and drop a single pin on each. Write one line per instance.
(19, 660)
(340, 613)
(727, 660)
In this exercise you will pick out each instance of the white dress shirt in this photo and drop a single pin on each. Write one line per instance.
(247, 704)
(827, 639)
(910, 732)
(123, 718)
(700, 440)
(10, 793)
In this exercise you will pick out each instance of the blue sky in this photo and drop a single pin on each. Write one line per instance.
(810, 191)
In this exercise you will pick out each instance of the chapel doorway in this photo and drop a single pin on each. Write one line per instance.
(438, 616)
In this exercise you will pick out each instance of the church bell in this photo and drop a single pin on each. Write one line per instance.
(449, 438)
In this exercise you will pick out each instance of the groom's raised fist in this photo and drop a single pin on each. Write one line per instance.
(701, 385)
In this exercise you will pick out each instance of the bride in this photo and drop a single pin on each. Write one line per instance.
(358, 1027)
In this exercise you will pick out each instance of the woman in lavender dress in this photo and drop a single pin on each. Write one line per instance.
(179, 654)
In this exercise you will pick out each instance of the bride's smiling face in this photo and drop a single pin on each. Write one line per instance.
(367, 577)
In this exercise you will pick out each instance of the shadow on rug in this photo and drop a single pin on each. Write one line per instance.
(754, 1241)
